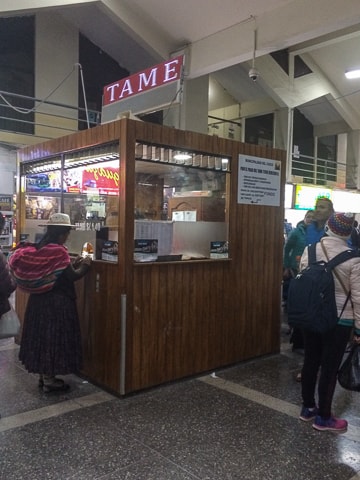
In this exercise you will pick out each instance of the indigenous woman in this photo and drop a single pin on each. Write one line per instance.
(50, 341)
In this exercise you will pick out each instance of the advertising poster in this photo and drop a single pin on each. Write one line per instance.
(44, 182)
(6, 202)
(103, 179)
(259, 181)
(145, 250)
(219, 249)
(40, 208)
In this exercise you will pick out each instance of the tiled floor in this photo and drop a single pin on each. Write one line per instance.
(238, 423)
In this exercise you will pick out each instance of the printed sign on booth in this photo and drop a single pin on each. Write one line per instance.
(259, 181)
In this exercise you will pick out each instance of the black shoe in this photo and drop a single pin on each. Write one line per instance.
(57, 385)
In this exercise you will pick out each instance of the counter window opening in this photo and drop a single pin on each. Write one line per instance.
(85, 185)
(180, 204)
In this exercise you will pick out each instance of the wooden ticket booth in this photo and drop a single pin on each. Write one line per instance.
(187, 275)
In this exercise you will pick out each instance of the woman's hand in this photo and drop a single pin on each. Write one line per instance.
(87, 260)
(77, 261)
(356, 339)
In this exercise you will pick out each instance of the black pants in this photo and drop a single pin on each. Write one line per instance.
(324, 352)
(297, 338)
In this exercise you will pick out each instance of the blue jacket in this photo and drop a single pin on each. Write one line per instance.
(313, 233)
(295, 246)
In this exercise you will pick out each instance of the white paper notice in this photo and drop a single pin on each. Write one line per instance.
(259, 181)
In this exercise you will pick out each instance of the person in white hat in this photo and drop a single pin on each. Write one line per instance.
(50, 342)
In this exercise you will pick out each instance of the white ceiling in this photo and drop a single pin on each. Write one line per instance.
(219, 37)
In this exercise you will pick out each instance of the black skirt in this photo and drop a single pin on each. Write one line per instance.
(51, 342)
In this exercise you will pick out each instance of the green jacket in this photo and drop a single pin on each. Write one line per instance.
(295, 246)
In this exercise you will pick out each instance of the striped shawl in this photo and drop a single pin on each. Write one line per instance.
(36, 270)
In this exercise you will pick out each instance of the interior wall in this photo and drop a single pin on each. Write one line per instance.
(56, 80)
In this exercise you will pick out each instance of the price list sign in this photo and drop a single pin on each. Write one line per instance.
(259, 181)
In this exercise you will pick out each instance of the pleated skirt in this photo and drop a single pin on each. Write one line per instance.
(51, 341)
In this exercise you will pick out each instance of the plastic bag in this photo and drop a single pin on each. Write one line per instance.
(9, 324)
(349, 372)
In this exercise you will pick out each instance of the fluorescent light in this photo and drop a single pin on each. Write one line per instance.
(355, 73)
(224, 163)
(182, 156)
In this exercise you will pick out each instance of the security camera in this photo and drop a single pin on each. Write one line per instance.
(254, 74)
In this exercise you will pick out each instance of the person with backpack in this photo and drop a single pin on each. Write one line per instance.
(315, 230)
(324, 351)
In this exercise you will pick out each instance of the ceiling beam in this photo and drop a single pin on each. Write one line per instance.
(275, 30)
(326, 40)
(9, 7)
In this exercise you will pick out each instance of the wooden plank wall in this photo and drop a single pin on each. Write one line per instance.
(188, 318)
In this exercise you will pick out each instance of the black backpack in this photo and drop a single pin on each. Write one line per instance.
(311, 303)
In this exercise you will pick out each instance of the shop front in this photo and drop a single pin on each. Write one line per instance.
(186, 275)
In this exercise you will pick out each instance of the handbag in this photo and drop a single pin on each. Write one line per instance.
(9, 324)
(349, 372)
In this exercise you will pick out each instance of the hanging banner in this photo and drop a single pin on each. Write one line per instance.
(259, 181)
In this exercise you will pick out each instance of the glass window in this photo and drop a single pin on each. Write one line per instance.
(83, 184)
(260, 130)
(180, 205)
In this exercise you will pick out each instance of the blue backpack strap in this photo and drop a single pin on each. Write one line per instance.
(342, 257)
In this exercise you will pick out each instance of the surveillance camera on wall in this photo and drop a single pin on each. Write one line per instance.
(254, 74)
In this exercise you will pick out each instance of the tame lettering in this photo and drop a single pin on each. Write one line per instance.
(170, 71)
(145, 82)
(126, 89)
(111, 89)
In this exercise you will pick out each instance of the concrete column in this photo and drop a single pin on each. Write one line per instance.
(281, 129)
(353, 159)
(192, 113)
(56, 74)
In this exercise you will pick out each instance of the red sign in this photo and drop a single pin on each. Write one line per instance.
(103, 179)
(148, 79)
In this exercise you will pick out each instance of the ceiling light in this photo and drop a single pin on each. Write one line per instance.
(182, 156)
(355, 73)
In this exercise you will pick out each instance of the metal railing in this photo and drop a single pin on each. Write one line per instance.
(20, 114)
(320, 171)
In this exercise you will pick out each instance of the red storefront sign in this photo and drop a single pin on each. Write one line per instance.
(104, 179)
(140, 82)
